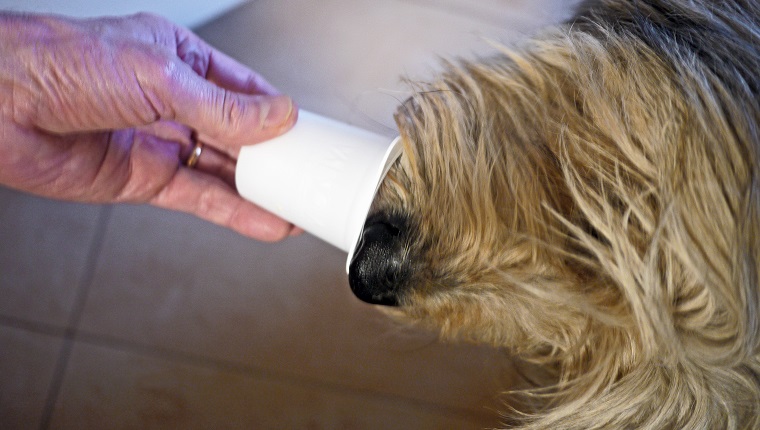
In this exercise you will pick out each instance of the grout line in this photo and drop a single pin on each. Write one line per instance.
(89, 272)
(55, 384)
(70, 331)
(32, 326)
(187, 358)
(72, 335)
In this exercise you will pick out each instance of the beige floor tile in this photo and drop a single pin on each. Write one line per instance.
(173, 282)
(27, 364)
(44, 246)
(107, 388)
(345, 59)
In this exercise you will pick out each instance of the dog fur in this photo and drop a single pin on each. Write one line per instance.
(591, 202)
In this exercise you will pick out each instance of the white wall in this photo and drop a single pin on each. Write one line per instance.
(189, 13)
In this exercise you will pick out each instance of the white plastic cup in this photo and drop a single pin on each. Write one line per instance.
(322, 176)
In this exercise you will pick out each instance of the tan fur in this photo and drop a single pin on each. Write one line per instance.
(591, 201)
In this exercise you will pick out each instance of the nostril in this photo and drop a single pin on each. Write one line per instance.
(389, 227)
(380, 265)
(387, 224)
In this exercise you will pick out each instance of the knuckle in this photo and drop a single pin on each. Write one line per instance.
(208, 205)
(232, 110)
(253, 83)
(193, 54)
(149, 18)
(166, 69)
(154, 78)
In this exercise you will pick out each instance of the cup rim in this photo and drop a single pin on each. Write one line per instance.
(392, 153)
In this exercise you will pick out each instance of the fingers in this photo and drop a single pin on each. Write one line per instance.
(180, 78)
(245, 108)
(211, 199)
(228, 73)
(227, 118)
(219, 68)
(206, 61)
(206, 191)
(213, 162)
(140, 70)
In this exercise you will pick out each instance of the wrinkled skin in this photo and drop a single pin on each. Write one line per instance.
(103, 110)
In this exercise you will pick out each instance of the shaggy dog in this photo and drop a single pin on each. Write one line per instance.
(591, 202)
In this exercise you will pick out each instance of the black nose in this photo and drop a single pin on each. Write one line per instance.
(380, 266)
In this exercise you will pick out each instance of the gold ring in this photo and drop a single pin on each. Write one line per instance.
(192, 160)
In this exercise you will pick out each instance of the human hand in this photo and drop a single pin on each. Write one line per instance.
(103, 110)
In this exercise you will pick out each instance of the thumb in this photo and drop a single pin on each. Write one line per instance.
(230, 119)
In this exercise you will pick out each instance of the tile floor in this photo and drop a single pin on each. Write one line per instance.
(134, 317)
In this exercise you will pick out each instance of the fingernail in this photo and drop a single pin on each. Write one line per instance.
(279, 112)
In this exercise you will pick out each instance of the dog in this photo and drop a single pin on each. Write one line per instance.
(590, 201)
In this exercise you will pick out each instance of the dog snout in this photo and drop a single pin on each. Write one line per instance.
(380, 266)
